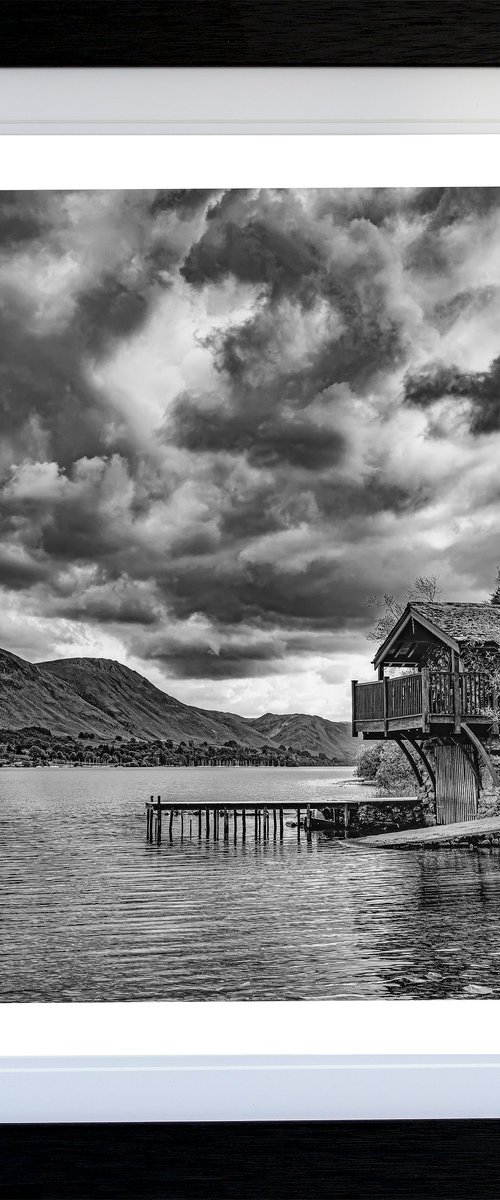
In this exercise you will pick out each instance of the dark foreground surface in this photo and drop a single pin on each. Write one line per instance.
(252, 1161)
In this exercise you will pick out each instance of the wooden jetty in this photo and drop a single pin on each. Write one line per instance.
(223, 822)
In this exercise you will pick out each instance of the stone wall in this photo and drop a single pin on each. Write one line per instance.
(489, 795)
(375, 818)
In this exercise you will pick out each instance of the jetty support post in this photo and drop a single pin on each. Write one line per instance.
(346, 819)
(274, 824)
(235, 824)
(182, 826)
(298, 824)
(255, 823)
(199, 823)
(308, 823)
(170, 823)
(243, 824)
(281, 824)
(158, 822)
(207, 822)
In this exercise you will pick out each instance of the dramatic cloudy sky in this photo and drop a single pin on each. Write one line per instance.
(228, 417)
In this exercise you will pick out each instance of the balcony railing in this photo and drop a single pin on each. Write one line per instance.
(421, 699)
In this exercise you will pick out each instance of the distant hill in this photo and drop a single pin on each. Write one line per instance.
(30, 696)
(142, 710)
(105, 698)
(316, 734)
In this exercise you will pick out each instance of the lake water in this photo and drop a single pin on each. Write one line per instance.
(90, 911)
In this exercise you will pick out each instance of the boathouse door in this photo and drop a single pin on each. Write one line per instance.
(456, 784)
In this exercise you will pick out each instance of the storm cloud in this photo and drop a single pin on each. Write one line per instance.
(226, 417)
(481, 391)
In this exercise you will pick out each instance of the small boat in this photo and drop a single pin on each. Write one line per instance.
(323, 818)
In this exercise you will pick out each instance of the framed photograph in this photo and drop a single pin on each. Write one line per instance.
(250, 616)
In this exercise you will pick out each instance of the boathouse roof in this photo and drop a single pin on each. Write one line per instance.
(479, 622)
(447, 621)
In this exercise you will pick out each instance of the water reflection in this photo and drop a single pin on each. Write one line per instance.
(90, 911)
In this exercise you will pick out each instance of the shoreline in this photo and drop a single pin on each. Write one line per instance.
(178, 767)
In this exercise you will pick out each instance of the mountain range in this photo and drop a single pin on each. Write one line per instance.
(105, 698)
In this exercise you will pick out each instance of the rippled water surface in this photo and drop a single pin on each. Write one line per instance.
(90, 911)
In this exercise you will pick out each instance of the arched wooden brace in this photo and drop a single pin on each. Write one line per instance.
(423, 759)
(471, 761)
(483, 753)
(399, 742)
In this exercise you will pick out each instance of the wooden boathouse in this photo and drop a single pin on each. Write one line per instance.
(437, 696)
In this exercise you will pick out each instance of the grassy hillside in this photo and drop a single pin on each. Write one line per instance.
(141, 709)
(30, 696)
(104, 698)
(316, 734)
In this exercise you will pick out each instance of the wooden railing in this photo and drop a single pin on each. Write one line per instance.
(369, 702)
(404, 696)
(476, 694)
(441, 693)
(426, 695)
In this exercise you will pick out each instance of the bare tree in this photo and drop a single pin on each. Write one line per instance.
(424, 587)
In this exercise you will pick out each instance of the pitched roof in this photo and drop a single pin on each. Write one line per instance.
(462, 621)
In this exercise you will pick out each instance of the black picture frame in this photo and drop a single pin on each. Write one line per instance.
(243, 33)
(250, 1161)
(375, 1160)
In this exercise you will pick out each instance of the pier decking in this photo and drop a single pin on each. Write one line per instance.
(214, 820)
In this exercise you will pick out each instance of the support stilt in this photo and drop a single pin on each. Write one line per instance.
(158, 823)
(170, 823)
(243, 825)
(281, 824)
(298, 824)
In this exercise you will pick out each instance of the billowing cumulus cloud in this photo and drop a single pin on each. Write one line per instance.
(226, 417)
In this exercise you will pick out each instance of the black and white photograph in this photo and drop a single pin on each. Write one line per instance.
(250, 594)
